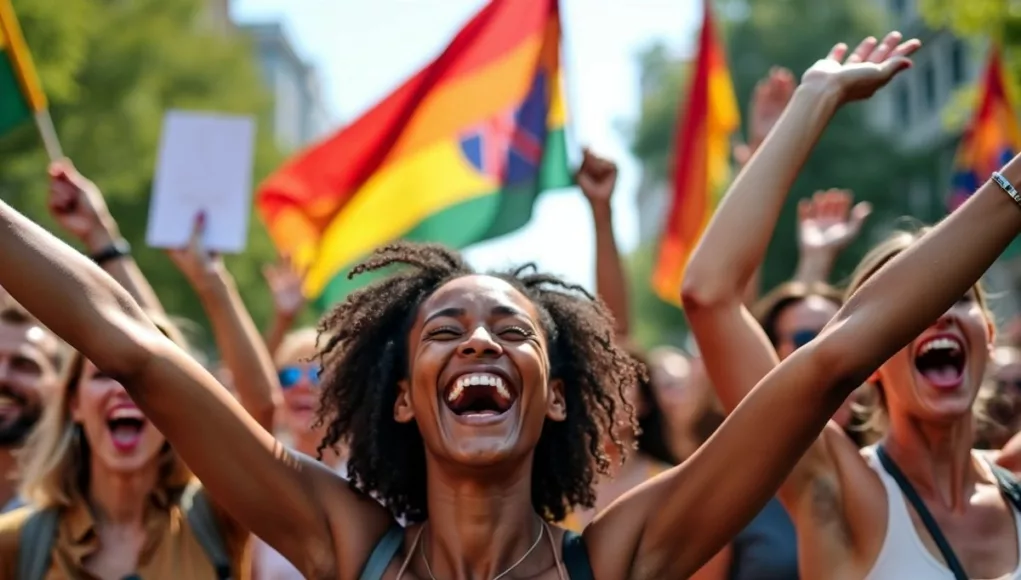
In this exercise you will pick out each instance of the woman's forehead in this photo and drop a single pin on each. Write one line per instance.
(477, 294)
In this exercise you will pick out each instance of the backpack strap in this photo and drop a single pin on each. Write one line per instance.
(383, 553)
(576, 559)
(202, 519)
(35, 544)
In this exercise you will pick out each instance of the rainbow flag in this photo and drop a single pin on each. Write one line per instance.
(991, 139)
(702, 167)
(21, 94)
(458, 154)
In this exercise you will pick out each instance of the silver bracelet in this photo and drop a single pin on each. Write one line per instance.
(1007, 187)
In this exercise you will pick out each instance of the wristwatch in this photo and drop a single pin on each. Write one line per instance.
(118, 249)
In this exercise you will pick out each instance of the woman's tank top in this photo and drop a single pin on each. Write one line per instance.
(903, 554)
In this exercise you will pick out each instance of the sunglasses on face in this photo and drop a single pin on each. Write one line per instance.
(800, 338)
(292, 375)
(1013, 384)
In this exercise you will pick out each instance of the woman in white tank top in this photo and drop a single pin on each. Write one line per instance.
(851, 517)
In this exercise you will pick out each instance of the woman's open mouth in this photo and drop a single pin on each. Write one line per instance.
(479, 395)
(941, 361)
(126, 425)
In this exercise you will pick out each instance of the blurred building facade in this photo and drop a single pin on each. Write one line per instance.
(300, 115)
(913, 110)
(217, 15)
(916, 111)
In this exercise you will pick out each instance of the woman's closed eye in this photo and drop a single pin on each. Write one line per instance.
(516, 333)
(444, 332)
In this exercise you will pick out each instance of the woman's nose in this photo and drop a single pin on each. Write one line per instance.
(480, 343)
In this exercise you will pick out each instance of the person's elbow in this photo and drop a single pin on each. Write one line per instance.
(702, 290)
(124, 343)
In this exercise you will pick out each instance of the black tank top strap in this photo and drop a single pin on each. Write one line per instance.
(576, 559)
(383, 553)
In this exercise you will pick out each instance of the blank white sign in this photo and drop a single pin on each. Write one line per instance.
(204, 167)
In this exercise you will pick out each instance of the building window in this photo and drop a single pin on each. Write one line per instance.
(958, 63)
(902, 105)
(929, 87)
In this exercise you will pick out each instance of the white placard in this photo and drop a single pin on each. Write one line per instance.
(204, 167)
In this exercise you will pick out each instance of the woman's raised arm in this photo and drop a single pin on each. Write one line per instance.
(683, 517)
(281, 498)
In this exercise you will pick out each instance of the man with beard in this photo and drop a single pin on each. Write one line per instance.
(31, 359)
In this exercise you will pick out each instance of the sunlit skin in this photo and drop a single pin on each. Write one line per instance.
(301, 398)
(910, 395)
(810, 314)
(28, 378)
(96, 400)
(471, 325)
(839, 504)
(478, 490)
(122, 472)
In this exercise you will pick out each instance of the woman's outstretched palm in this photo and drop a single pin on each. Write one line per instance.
(864, 71)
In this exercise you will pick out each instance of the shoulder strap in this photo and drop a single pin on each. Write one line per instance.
(1009, 486)
(383, 553)
(576, 559)
(923, 512)
(35, 544)
(202, 521)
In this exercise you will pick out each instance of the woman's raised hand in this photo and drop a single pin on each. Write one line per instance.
(864, 71)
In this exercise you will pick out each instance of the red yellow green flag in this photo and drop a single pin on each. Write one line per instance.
(21, 95)
(456, 155)
(702, 168)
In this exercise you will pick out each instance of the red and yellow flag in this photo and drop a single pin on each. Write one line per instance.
(702, 168)
(456, 155)
(991, 139)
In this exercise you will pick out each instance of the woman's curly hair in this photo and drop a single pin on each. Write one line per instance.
(365, 356)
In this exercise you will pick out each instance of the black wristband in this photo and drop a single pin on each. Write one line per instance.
(118, 249)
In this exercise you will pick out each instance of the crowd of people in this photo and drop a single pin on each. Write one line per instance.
(448, 423)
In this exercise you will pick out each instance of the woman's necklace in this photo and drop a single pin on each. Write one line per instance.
(538, 538)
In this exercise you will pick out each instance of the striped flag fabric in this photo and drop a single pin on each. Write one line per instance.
(702, 168)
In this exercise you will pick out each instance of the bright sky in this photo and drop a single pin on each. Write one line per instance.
(365, 48)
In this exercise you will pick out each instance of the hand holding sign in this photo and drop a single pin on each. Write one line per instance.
(204, 167)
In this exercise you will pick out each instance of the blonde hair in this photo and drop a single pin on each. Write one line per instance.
(295, 341)
(871, 411)
(55, 458)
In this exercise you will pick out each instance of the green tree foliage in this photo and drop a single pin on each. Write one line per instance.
(654, 322)
(111, 68)
(851, 154)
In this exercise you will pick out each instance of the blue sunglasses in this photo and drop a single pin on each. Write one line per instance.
(291, 376)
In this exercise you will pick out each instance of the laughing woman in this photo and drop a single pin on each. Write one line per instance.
(476, 405)
(921, 503)
(109, 496)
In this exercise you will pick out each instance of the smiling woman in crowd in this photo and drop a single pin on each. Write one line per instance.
(921, 503)
(108, 495)
(477, 405)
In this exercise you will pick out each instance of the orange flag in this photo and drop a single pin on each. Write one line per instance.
(702, 169)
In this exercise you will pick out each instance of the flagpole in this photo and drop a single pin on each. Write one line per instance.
(44, 123)
(570, 129)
